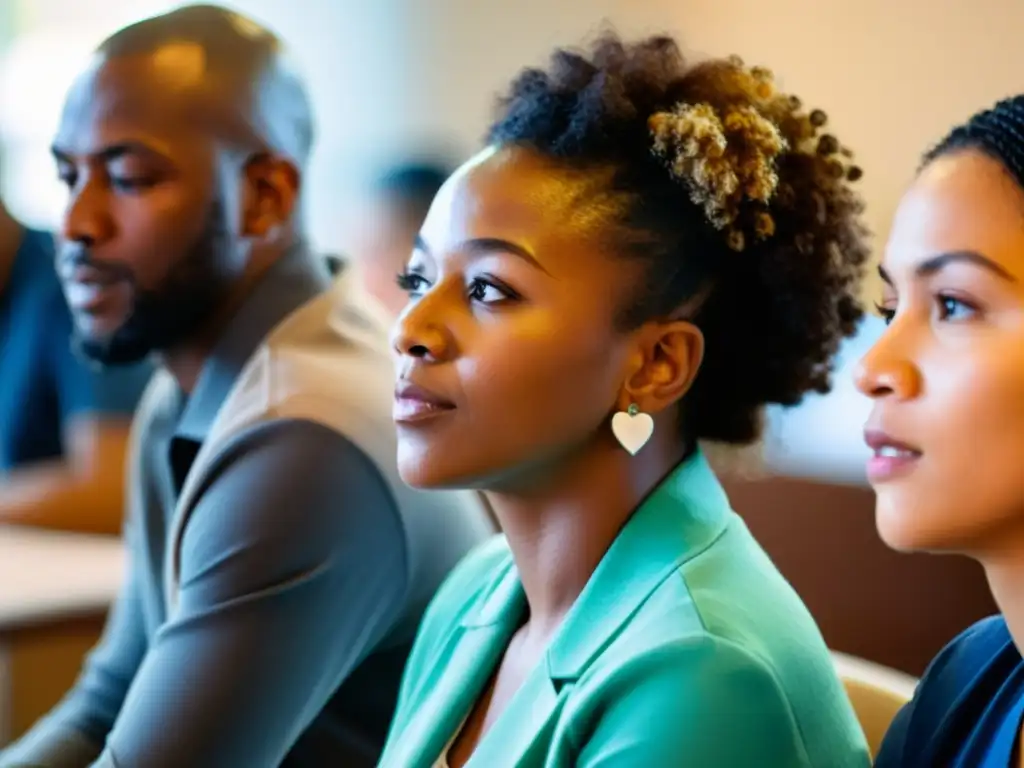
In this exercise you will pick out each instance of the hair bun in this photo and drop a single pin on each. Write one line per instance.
(726, 158)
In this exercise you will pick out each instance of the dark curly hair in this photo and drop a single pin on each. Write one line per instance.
(997, 132)
(733, 196)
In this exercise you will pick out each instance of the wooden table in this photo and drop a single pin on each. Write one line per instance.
(55, 590)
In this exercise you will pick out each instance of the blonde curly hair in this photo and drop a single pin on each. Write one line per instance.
(727, 155)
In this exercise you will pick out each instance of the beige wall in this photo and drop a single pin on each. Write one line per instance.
(892, 74)
(463, 52)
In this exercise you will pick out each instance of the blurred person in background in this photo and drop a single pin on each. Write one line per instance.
(278, 566)
(63, 422)
(398, 202)
(647, 254)
(947, 427)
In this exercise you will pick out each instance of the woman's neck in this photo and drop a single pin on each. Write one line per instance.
(1003, 561)
(560, 529)
(1005, 573)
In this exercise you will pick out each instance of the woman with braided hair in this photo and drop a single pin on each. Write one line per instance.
(647, 253)
(947, 426)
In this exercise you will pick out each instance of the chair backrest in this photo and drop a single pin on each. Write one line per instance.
(865, 597)
(877, 694)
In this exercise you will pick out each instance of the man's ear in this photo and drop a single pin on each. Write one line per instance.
(270, 197)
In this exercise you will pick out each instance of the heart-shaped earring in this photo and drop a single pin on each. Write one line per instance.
(632, 429)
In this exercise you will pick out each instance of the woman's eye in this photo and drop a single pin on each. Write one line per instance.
(885, 313)
(487, 293)
(130, 183)
(951, 308)
(411, 283)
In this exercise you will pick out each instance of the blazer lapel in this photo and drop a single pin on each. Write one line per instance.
(522, 735)
(460, 672)
(680, 519)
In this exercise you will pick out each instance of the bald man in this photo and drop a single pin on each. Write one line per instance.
(278, 566)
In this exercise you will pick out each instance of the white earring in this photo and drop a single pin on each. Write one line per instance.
(632, 429)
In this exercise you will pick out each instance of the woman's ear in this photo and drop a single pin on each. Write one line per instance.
(668, 357)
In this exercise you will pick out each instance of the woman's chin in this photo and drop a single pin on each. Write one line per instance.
(907, 529)
(415, 476)
(421, 469)
(896, 528)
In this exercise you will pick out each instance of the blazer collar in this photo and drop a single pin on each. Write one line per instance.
(680, 519)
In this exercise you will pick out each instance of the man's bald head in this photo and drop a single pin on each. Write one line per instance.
(237, 68)
(182, 147)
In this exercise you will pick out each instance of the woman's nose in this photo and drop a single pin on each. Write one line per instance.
(418, 334)
(886, 371)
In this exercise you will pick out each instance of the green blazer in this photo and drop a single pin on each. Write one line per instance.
(686, 648)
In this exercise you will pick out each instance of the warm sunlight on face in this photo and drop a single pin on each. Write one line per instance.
(947, 377)
(509, 327)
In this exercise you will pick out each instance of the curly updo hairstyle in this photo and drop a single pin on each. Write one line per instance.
(997, 132)
(734, 197)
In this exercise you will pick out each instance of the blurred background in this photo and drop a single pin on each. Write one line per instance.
(395, 81)
(400, 80)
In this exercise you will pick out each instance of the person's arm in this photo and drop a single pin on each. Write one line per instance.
(83, 491)
(293, 567)
(701, 702)
(72, 735)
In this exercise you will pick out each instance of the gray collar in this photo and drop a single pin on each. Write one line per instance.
(294, 280)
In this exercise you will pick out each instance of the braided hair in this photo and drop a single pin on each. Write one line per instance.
(732, 195)
(997, 132)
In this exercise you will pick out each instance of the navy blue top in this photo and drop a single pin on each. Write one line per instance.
(967, 710)
(42, 382)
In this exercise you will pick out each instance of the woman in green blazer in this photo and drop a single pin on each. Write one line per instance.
(646, 255)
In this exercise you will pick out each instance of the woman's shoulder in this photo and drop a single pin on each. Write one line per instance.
(963, 663)
(973, 647)
(705, 697)
(955, 690)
